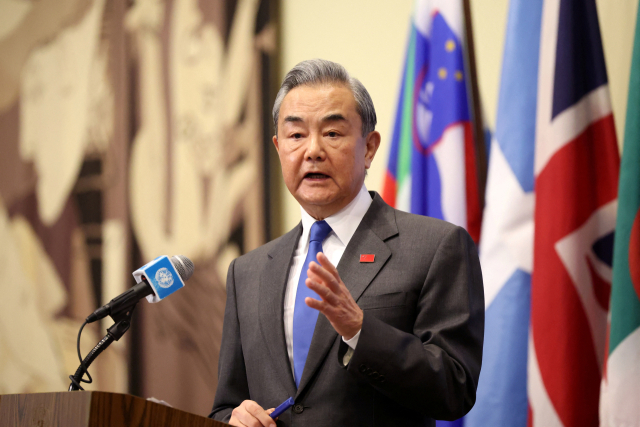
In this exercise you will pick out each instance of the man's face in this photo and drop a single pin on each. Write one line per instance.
(321, 148)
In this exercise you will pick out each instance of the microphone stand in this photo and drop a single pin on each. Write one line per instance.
(122, 323)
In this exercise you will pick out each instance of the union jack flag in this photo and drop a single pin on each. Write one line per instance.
(576, 179)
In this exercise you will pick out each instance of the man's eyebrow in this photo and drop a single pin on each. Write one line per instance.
(292, 119)
(334, 117)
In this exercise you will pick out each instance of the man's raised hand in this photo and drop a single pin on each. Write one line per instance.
(337, 303)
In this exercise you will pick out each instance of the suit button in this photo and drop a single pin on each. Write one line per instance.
(374, 375)
(298, 408)
(363, 369)
(381, 378)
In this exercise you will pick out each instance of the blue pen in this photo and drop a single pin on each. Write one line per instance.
(283, 407)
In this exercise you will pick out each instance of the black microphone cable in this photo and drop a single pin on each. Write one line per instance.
(82, 368)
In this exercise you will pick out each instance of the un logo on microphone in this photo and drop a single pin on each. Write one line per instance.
(164, 278)
(162, 275)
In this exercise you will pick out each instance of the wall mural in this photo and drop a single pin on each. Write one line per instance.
(128, 129)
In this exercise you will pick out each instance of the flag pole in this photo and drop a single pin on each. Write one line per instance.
(476, 109)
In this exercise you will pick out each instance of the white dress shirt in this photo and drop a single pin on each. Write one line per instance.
(343, 225)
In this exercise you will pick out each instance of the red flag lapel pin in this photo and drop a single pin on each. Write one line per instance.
(367, 257)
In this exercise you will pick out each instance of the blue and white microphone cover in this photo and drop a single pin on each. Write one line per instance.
(162, 276)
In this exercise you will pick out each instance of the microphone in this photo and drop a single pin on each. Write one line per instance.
(156, 280)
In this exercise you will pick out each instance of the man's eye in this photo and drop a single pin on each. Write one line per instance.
(296, 136)
(332, 134)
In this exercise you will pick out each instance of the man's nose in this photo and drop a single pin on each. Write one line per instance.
(315, 148)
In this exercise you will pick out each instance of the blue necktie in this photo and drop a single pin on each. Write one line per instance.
(305, 317)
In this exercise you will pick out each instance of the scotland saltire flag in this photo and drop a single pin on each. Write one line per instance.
(506, 249)
(432, 163)
(576, 184)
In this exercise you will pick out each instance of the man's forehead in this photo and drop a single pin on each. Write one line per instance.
(330, 101)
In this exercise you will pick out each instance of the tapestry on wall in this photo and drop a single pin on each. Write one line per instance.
(129, 129)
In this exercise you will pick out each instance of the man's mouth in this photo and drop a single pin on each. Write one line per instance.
(316, 175)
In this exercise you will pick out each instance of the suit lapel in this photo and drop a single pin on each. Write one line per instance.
(377, 225)
(273, 283)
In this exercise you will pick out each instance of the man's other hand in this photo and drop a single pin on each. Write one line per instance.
(250, 414)
(337, 303)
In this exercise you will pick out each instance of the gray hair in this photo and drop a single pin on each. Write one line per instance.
(319, 71)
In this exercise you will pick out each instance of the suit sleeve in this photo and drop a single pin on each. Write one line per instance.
(435, 369)
(232, 379)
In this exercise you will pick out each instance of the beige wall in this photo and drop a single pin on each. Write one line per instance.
(369, 38)
(618, 24)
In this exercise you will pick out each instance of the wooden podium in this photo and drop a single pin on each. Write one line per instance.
(92, 409)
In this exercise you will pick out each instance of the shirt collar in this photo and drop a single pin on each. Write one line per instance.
(345, 222)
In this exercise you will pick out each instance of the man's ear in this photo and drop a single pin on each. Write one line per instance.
(371, 147)
(275, 142)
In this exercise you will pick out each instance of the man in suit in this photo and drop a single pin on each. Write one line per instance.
(393, 335)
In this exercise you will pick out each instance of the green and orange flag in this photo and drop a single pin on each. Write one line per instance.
(620, 393)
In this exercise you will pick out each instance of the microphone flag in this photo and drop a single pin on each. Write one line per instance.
(162, 276)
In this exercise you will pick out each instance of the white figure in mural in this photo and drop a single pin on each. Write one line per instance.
(59, 85)
(183, 189)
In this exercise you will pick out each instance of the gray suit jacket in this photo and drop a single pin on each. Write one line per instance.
(420, 348)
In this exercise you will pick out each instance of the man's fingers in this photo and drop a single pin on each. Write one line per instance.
(320, 287)
(324, 261)
(320, 274)
(337, 303)
(250, 414)
(321, 306)
(240, 417)
(262, 416)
